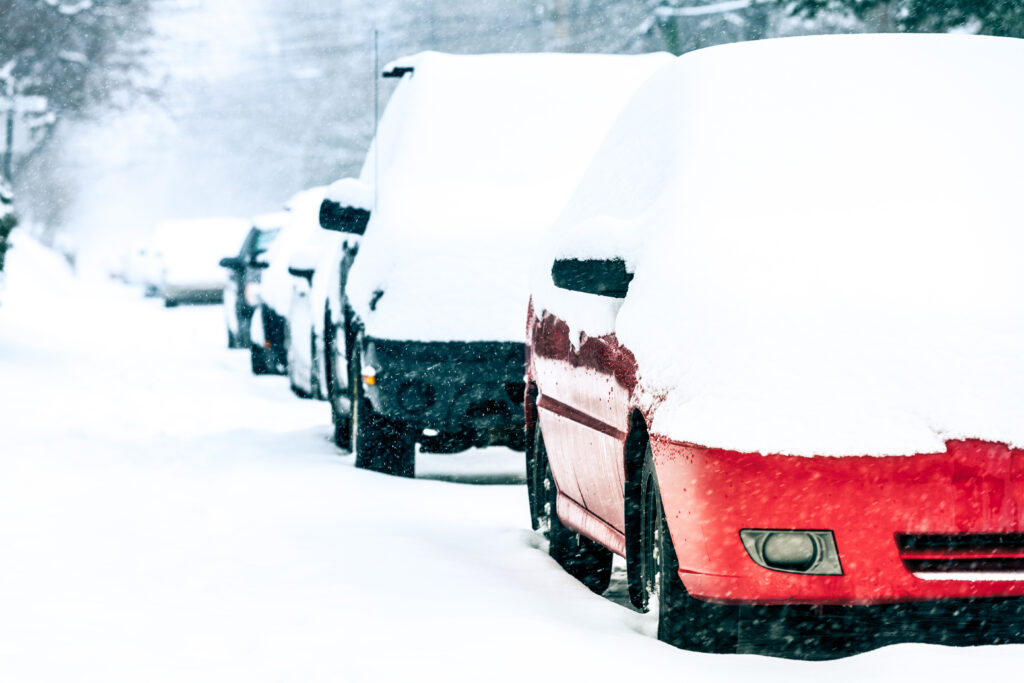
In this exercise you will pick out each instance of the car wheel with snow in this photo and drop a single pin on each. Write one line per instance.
(381, 444)
(683, 621)
(259, 361)
(314, 381)
(584, 559)
(340, 400)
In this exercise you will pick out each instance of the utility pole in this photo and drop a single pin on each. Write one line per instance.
(9, 146)
(376, 117)
(7, 76)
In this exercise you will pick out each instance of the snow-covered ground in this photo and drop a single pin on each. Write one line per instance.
(165, 515)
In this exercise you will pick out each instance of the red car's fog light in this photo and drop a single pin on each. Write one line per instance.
(796, 552)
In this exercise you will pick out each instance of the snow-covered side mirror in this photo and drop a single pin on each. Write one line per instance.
(604, 277)
(346, 206)
(349, 219)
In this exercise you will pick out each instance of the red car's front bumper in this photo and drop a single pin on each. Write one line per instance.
(964, 509)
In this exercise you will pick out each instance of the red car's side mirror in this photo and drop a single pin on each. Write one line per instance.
(604, 277)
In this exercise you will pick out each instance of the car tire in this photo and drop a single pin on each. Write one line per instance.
(232, 341)
(341, 420)
(587, 561)
(170, 303)
(381, 444)
(258, 360)
(683, 621)
(314, 381)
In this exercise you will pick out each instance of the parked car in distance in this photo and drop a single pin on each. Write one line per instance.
(308, 265)
(477, 156)
(276, 284)
(241, 293)
(345, 213)
(323, 289)
(773, 361)
(185, 254)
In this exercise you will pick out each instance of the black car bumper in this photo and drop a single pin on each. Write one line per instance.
(473, 389)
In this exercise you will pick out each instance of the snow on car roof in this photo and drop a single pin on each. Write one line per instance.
(270, 221)
(203, 234)
(826, 237)
(191, 249)
(474, 157)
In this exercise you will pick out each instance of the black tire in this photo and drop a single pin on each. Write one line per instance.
(232, 341)
(170, 303)
(683, 621)
(381, 444)
(587, 561)
(258, 360)
(534, 482)
(340, 419)
(314, 381)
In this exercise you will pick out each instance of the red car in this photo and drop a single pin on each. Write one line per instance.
(781, 373)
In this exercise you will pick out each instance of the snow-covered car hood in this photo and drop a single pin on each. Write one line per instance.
(431, 291)
(826, 237)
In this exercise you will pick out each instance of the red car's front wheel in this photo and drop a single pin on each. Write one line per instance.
(683, 621)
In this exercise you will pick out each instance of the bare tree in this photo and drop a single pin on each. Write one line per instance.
(991, 17)
(59, 59)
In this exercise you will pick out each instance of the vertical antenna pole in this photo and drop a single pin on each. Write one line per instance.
(376, 113)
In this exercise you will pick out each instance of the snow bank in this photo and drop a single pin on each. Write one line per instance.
(35, 276)
(475, 157)
(826, 238)
(301, 222)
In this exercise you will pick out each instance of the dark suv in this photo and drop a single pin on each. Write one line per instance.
(389, 394)
(474, 158)
(241, 293)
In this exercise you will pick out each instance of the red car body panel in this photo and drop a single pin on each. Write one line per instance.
(585, 397)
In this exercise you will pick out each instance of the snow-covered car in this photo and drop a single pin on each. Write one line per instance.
(185, 257)
(309, 266)
(774, 359)
(241, 293)
(323, 291)
(345, 212)
(300, 220)
(473, 159)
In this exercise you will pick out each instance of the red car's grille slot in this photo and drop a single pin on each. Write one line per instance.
(961, 552)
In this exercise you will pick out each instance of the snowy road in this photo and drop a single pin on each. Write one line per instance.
(165, 515)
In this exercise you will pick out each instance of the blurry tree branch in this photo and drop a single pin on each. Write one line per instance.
(61, 59)
(990, 17)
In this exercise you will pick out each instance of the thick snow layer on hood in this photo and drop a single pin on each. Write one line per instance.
(189, 251)
(299, 223)
(826, 236)
(475, 157)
